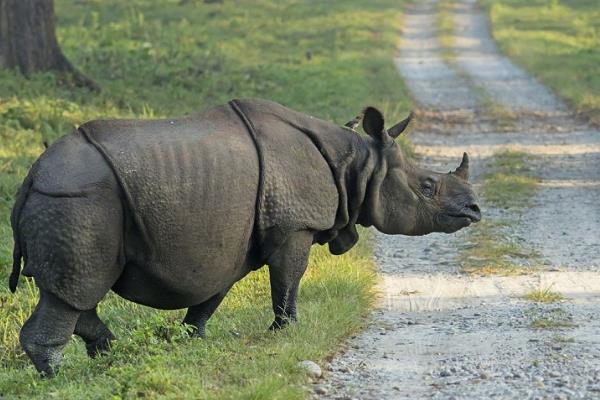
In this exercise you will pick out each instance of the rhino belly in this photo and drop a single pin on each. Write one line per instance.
(140, 284)
(191, 200)
(192, 252)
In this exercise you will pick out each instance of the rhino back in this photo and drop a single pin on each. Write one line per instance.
(71, 167)
(191, 187)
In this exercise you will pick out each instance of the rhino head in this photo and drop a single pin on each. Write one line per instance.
(405, 199)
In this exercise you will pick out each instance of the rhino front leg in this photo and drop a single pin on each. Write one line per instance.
(286, 267)
(95, 334)
(198, 315)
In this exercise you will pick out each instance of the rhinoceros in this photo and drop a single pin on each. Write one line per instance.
(171, 213)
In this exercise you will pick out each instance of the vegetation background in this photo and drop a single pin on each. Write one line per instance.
(158, 58)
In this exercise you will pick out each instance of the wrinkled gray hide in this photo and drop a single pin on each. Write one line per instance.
(172, 213)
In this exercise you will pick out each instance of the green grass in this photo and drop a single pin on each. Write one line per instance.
(558, 41)
(507, 191)
(154, 357)
(544, 295)
(170, 57)
(510, 185)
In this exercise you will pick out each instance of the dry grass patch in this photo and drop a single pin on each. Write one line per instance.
(544, 295)
(511, 183)
(494, 253)
(555, 318)
(551, 323)
(509, 191)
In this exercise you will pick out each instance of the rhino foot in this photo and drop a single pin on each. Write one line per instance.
(198, 332)
(47, 331)
(46, 359)
(99, 346)
(281, 322)
(95, 334)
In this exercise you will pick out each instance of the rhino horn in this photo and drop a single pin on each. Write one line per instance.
(463, 169)
(397, 129)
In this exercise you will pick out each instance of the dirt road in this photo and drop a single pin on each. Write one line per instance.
(438, 333)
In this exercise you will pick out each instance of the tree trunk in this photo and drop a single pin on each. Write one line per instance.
(28, 40)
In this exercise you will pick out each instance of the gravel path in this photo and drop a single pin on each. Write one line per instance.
(441, 334)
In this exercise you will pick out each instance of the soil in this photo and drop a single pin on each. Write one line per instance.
(438, 333)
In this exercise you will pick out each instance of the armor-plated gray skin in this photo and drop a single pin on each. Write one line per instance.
(172, 213)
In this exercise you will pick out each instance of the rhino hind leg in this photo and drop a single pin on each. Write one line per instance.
(95, 334)
(73, 252)
(47, 331)
(198, 315)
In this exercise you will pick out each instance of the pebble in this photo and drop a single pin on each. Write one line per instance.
(346, 370)
(312, 368)
(321, 390)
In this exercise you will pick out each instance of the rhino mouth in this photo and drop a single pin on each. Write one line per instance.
(470, 212)
(472, 218)
(452, 222)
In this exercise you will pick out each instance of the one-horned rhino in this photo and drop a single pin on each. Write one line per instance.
(171, 213)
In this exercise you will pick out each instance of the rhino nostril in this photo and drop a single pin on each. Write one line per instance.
(473, 212)
(474, 208)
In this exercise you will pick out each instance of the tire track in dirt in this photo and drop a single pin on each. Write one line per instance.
(438, 333)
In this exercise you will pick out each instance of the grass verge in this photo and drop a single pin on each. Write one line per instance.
(156, 58)
(556, 41)
(509, 185)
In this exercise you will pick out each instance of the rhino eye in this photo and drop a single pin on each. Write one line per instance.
(427, 188)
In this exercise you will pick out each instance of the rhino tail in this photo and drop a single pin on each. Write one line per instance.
(16, 271)
(20, 200)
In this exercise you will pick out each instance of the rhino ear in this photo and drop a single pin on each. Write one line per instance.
(373, 124)
(397, 129)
